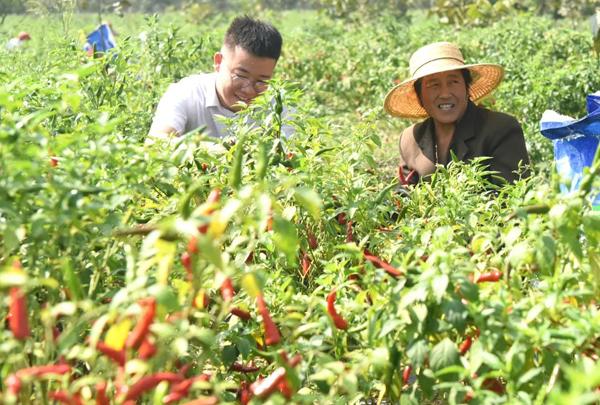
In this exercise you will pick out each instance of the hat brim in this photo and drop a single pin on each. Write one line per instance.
(402, 100)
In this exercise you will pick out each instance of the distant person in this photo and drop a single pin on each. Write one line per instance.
(443, 89)
(18, 41)
(243, 67)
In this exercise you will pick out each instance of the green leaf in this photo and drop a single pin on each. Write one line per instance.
(389, 326)
(10, 239)
(417, 353)
(210, 251)
(309, 200)
(545, 253)
(439, 284)
(235, 175)
(11, 278)
(591, 226)
(285, 237)
(229, 354)
(529, 375)
(72, 280)
(456, 313)
(444, 354)
(165, 296)
(243, 345)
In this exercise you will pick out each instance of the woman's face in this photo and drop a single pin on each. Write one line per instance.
(444, 96)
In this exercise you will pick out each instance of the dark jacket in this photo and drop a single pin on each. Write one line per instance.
(480, 132)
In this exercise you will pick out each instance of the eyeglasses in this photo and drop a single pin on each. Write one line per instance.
(258, 85)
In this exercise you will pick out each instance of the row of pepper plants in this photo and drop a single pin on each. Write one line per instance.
(269, 269)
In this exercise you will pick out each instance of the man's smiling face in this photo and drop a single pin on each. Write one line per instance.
(242, 76)
(444, 96)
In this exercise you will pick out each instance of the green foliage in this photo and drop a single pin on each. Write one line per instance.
(484, 12)
(100, 222)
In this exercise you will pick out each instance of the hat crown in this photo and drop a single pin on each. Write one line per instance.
(438, 51)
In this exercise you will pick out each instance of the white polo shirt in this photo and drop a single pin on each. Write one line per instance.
(189, 104)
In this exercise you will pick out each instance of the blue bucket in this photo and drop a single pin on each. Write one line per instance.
(575, 144)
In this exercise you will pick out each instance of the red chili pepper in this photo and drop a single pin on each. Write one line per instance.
(173, 397)
(17, 314)
(341, 218)
(306, 262)
(250, 368)
(41, 371)
(204, 167)
(204, 401)
(349, 233)
(192, 246)
(495, 385)
(272, 336)
(149, 382)
(101, 398)
(294, 361)
(265, 387)
(118, 356)
(147, 349)
(406, 374)
(491, 276)
(240, 313)
(119, 382)
(244, 393)
(401, 177)
(53, 161)
(227, 291)
(312, 240)
(284, 388)
(186, 260)
(13, 384)
(465, 345)
(382, 264)
(55, 333)
(405, 180)
(64, 397)
(275, 381)
(141, 329)
(338, 321)
(214, 196)
(181, 389)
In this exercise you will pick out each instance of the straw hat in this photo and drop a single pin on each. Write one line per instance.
(402, 100)
(23, 36)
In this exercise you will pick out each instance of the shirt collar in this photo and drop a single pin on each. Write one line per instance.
(212, 99)
(465, 129)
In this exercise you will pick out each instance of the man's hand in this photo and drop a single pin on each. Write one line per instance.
(160, 134)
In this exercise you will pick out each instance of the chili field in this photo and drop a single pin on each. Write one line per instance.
(264, 269)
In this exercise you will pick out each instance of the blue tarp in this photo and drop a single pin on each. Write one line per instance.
(101, 40)
(575, 143)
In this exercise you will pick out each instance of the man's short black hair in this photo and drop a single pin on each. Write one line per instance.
(257, 37)
(466, 74)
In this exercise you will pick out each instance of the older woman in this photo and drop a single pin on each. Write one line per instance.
(443, 89)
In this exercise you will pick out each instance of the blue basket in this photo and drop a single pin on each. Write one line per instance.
(575, 144)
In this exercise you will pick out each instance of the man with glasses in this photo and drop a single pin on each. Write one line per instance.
(243, 67)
